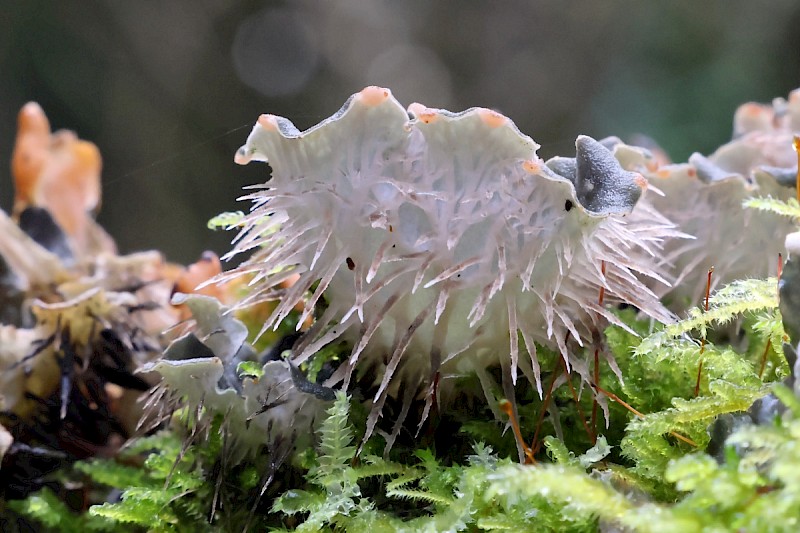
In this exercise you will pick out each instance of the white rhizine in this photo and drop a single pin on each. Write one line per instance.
(441, 239)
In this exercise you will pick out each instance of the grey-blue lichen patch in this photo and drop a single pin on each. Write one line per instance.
(602, 186)
(708, 171)
(601, 183)
(784, 176)
(199, 371)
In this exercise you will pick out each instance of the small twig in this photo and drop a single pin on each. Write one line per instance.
(796, 145)
(627, 406)
(508, 409)
(589, 432)
(535, 443)
(600, 298)
(769, 340)
(594, 401)
(764, 358)
(703, 342)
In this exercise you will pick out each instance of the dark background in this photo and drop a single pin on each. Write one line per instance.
(169, 90)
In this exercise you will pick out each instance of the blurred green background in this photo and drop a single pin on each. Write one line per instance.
(169, 90)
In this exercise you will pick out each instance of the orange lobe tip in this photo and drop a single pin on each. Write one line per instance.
(663, 173)
(423, 114)
(268, 122)
(32, 120)
(753, 109)
(241, 157)
(532, 167)
(493, 119)
(373, 96)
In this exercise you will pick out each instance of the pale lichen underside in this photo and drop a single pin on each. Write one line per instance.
(704, 198)
(199, 373)
(440, 238)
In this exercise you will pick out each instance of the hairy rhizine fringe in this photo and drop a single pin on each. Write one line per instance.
(444, 234)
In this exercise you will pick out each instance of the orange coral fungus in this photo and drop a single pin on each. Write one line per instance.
(59, 172)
